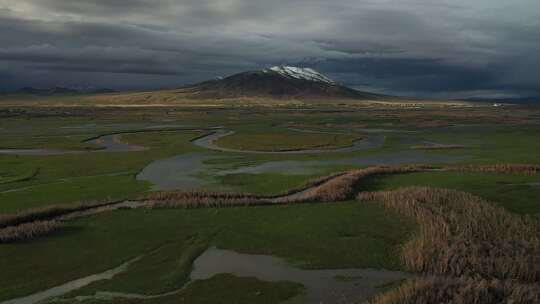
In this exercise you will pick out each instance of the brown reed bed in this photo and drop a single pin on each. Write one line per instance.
(27, 231)
(472, 251)
(201, 199)
(463, 235)
(310, 183)
(334, 187)
(331, 188)
(429, 290)
(345, 186)
(45, 213)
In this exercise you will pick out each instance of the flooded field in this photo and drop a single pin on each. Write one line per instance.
(187, 171)
(321, 286)
(71, 286)
(326, 286)
(106, 175)
(114, 143)
(177, 172)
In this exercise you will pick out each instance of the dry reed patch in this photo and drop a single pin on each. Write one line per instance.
(331, 188)
(27, 231)
(45, 213)
(310, 183)
(431, 290)
(343, 186)
(200, 200)
(463, 235)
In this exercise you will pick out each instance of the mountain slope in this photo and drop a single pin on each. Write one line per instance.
(275, 82)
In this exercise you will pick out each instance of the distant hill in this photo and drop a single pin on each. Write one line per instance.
(275, 82)
(60, 91)
(48, 91)
(278, 85)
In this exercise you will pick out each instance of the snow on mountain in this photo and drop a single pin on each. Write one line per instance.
(299, 73)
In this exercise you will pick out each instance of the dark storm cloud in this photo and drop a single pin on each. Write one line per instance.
(413, 47)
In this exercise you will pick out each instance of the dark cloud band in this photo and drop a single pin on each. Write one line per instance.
(414, 47)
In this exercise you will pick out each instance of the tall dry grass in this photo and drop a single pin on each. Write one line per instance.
(431, 290)
(37, 222)
(45, 213)
(344, 186)
(473, 251)
(310, 183)
(463, 235)
(331, 188)
(200, 200)
(27, 231)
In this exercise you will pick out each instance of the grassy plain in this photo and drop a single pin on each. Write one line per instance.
(515, 192)
(278, 139)
(332, 235)
(313, 236)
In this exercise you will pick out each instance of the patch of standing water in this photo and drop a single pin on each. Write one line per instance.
(322, 286)
(291, 167)
(113, 143)
(308, 167)
(177, 172)
(184, 171)
(71, 286)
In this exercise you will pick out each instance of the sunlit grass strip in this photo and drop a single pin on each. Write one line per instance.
(201, 199)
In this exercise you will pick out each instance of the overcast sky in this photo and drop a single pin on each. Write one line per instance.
(431, 48)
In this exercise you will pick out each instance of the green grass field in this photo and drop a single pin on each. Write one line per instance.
(280, 139)
(331, 235)
(336, 235)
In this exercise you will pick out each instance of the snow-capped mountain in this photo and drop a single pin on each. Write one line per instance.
(299, 73)
(275, 82)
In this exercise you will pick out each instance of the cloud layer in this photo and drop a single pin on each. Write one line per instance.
(439, 48)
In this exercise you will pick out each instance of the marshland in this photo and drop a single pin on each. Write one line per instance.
(272, 152)
(134, 188)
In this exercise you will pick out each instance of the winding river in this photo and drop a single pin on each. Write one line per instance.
(189, 171)
(109, 143)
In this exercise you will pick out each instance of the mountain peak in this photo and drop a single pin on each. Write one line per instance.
(299, 73)
(275, 82)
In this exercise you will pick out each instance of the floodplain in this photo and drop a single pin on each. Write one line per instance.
(344, 191)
